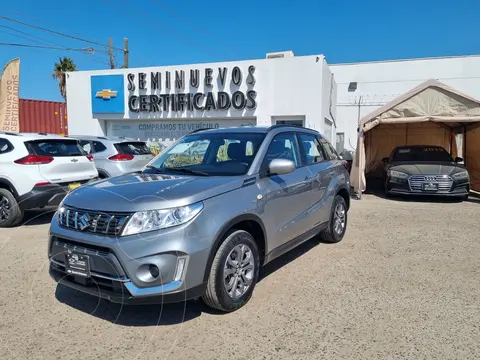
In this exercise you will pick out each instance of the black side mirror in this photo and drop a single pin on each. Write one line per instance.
(458, 159)
(385, 160)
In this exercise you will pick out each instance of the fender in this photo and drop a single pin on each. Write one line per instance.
(225, 228)
(6, 183)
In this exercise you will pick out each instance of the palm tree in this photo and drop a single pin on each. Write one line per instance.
(59, 69)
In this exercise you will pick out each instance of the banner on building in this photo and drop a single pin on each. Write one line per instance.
(9, 84)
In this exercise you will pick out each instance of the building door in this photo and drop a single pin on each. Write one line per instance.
(290, 122)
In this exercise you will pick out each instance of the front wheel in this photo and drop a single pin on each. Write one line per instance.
(337, 225)
(234, 272)
(10, 212)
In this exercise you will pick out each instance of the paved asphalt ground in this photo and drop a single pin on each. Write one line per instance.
(403, 284)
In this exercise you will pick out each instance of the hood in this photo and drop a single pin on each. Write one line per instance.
(433, 168)
(137, 192)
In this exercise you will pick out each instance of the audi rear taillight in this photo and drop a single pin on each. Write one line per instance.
(90, 157)
(121, 157)
(34, 160)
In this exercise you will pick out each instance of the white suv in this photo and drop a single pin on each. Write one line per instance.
(38, 170)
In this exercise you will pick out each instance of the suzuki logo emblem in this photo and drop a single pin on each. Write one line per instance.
(83, 222)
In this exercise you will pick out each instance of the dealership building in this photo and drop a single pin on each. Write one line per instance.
(161, 104)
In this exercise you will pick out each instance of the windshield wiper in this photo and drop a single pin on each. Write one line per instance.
(158, 170)
(186, 170)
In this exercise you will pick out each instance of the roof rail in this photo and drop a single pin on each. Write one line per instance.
(276, 126)
(198, 130)
(9, 133)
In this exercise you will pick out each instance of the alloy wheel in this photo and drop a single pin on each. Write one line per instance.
(4, 209)
(239, 270)
(339, 219)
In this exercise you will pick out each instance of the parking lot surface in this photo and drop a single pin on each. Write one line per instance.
(404, 283)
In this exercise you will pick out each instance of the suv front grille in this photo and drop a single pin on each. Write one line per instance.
(444, 182)
(93, 221)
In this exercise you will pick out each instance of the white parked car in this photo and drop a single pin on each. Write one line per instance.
(38, 170)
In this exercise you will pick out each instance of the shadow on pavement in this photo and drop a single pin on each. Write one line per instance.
(161, 315)
(130, 315)
(37, 217)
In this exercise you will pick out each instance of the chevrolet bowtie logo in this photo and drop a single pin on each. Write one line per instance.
(106, 94)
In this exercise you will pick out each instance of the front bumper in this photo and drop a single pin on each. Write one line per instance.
(119, 266)
(408, 187)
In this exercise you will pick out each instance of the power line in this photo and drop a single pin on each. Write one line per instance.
(37, 19)
(45, 47)
(94, 58)
(156, 20)
(56, 32)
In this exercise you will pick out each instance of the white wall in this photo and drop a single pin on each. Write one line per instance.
(381, 82)
(329, 100)
(290, 87)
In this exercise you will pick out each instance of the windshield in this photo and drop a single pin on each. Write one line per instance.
(422, 154)
(214, 154)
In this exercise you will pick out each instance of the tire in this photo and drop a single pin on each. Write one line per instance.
(330, 234)
(13, 215)
(216, 295)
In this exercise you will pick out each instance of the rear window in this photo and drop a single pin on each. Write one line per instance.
(133, 148)
(55, 147)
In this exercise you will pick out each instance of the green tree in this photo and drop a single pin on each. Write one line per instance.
(63, 65)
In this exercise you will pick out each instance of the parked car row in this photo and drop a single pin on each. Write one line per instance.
(37, 170)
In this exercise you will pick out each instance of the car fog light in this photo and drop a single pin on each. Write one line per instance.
(180, 268)
(154, 271)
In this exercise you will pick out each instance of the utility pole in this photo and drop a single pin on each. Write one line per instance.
(110, 53)
(125, 53)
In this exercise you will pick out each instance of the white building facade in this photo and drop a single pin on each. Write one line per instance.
(364, 87)
(161, 104)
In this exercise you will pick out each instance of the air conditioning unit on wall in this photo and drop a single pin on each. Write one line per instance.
(280, 54)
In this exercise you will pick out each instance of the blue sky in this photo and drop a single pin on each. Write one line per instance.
(168, 32)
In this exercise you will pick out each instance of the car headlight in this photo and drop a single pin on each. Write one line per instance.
(144, 221)
(398, 174)
(460, 175)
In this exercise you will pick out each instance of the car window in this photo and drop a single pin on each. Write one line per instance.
(86, 146)
(54, 147)
(422, 154)
(329, 149)
(133, 148)
(214, 154)
(283, 146)
(98, 147)
(312, 150)
(5, 146)
(227, 151)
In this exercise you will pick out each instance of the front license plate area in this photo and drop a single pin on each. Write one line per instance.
(77, 264)
(430, 187)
